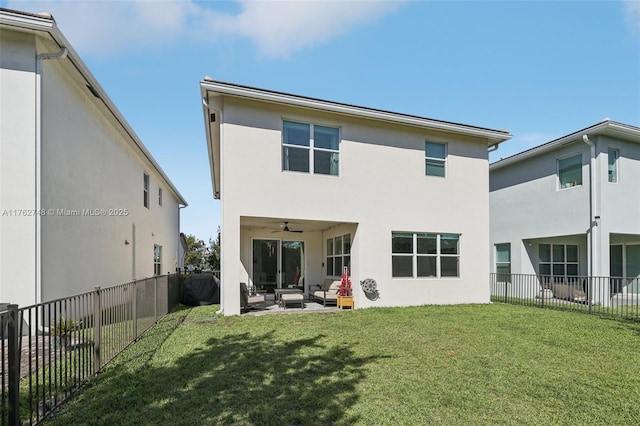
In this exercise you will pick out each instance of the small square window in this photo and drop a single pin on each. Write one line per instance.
(570, 171)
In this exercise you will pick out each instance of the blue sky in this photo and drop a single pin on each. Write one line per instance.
(541, 69)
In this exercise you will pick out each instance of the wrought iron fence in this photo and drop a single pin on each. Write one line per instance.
(605, 296)
(51, 349)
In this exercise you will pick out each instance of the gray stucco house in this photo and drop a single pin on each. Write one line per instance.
(571, 208)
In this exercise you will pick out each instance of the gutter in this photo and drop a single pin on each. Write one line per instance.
(220, 120)
(594, 215)
(40, 58)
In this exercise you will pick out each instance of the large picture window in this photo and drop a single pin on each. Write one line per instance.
(558, 260)
(570, 171)
(338, 254)
(435, 158)
(420, 255)
(310, 148)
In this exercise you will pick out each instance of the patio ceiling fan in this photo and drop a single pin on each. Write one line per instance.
(285, 228)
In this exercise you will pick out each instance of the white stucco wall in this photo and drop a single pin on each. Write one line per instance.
(527, 208)
(17, 168)
(88, 164)
(382, 188)
(91, 187)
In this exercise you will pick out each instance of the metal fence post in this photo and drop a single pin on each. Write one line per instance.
(14, 365)
(155, 299)
(97, 330)
(134, 310)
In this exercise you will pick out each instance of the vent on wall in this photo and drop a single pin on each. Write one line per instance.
(93, 91)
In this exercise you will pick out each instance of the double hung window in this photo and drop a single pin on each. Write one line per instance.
(503, 262)
(419, 255)
(310, 148)
(435, 158)
(157, 259)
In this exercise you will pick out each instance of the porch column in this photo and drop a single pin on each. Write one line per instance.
(230, 265)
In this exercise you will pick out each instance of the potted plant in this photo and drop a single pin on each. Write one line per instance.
(62, 333)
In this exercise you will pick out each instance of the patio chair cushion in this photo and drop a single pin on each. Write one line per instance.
(329, 293)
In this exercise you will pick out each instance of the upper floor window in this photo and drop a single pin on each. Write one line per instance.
(570, 171)
(145, 195)
(160, 196)
(435, 158)
(310, 148)
(338, 254)
(418, 255)
(613, 155)
(157, 259)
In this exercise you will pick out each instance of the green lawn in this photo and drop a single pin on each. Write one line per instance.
(450, 365)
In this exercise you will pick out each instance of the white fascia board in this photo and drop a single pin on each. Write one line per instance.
(493, 136)
(600, 128)
(48, 25)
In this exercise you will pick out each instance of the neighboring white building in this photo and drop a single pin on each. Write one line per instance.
(307, 186)
(570, 207)
(82, 202)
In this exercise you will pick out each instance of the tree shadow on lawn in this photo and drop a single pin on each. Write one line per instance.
(235, 379)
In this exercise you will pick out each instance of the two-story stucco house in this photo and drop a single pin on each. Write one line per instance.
(82, 201)
(308, 186)
(571, 207)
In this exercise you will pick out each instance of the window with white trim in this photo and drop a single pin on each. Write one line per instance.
(570, 171)
(310, 148)
(421, 255)
(338, 254)
(145, 194)
(435, 157)
(613, 155)
(157, 259)
(558, 260)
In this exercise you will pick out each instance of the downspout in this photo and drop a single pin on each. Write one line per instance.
(593, 207)
(220, 123)
(38, 165)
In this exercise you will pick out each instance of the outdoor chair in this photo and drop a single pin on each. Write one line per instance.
(328, 293)
(249, 300)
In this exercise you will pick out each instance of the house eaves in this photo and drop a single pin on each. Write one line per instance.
(44, 23)
(218, 88)
(605, 127)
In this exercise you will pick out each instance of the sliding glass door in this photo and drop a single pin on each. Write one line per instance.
(277, 264)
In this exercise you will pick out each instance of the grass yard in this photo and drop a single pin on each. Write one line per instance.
(448, 365)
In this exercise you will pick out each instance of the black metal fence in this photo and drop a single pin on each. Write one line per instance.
(51, 349)
(606, 296)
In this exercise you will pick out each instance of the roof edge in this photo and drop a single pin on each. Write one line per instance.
(45, 22)
(597, 128)
(493, 136)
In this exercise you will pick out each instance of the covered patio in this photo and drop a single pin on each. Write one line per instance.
(291, 255)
